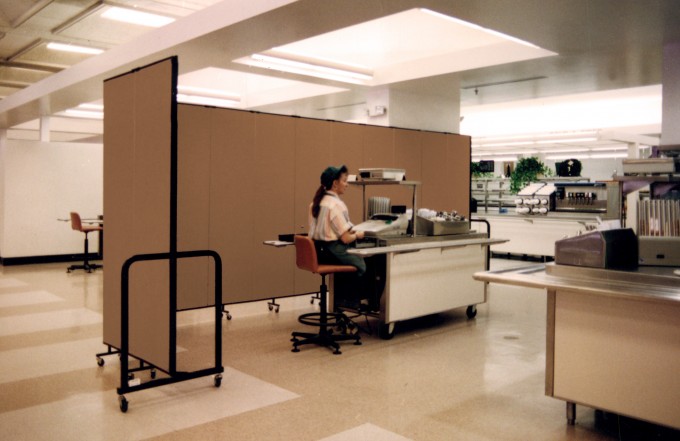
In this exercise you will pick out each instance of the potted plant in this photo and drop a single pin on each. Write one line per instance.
(526, 171)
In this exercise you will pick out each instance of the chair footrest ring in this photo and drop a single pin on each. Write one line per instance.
(314, 319)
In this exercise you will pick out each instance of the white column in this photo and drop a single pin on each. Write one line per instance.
(633, 150)
(410, 109)
(45, 128)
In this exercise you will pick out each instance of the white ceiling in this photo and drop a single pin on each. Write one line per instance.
(600, 47)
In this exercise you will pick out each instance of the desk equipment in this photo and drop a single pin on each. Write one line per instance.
(383, 224)
(77, 225)
(441, 223)
(306, 259)
(382, 174)
(608, 249)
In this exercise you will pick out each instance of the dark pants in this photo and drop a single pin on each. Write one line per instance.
(335, 253)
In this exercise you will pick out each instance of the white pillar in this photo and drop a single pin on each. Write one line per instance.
(45, 128)
(633, 150)
(411, 109)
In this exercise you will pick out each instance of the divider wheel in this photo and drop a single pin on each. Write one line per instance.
(100, 361)
(123, 403)
(218, 380)
(471, 311)
(153, 373)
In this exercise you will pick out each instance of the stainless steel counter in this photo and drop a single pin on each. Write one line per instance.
(611, 337)
(659, 284)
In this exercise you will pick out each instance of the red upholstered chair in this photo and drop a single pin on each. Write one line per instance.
(77, 225)
(306, 259)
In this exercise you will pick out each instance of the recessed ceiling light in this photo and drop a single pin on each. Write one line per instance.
(74, 48)
(206, 101)
(76, 113)
(305, 68)
(207, 92)
(91, 106)
(481, 28)
(136, 17)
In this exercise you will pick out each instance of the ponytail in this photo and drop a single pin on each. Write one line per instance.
(316, 203)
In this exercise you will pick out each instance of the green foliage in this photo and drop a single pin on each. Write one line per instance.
(476, 173)
(527, 171)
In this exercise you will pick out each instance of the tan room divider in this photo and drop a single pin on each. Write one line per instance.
(143, 265)
(243, 178)
(247, 177)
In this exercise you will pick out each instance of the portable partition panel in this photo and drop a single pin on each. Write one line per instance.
(140, 205)
(246, 177)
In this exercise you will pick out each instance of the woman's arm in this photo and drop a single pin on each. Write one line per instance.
(349, 236)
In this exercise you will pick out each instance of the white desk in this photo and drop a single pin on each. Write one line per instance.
(428, 277)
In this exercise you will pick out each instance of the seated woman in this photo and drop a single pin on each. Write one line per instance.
(329, 224)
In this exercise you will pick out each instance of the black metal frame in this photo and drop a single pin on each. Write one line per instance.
(175, 376)
(324, 320)
(488, 236)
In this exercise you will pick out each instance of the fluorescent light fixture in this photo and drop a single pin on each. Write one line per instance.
(609, 155)
(136, 17)
(74, 48)
(566, 140)
(206, 100)
(83, 114)
(209, 93)
(568, 151)
(297, 54)
(503, 158)
(89, 106)
(304, 68)
(566, 156)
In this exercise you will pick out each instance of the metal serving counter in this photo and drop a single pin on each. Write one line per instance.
(429, 274)
(612, 337)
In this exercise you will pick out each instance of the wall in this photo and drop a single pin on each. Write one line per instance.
(670, 124)
(43, 182)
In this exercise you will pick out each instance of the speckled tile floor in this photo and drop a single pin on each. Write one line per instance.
(442, 377)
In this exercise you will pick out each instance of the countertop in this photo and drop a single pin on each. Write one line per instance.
(658, 284)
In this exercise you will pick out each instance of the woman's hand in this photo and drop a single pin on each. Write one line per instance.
(349, 236)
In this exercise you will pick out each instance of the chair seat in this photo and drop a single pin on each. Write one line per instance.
(329, 269)
(89, 229)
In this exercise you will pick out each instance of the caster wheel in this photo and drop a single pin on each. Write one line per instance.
(386, 331)
(270, 307)
(277, 310)
(123, 403)
(153, 373)
(100, 361)
(218, 380)
(228, 316)
(471, 311)
(311, 302)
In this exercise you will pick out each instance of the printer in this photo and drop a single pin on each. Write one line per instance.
(384, 224)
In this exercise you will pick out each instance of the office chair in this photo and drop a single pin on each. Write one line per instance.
(77, 225)
(306, 259)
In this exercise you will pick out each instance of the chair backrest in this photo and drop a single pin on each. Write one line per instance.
(305, 254)
(76, 224)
